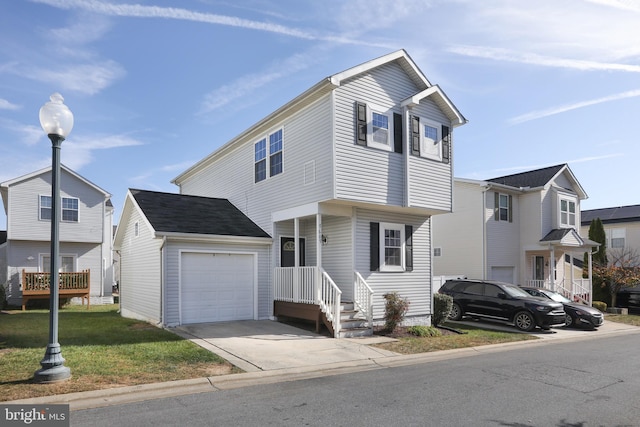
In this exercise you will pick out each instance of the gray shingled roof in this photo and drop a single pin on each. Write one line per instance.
(612, 215)
(179, 213)
(533, 179)
(556, 234)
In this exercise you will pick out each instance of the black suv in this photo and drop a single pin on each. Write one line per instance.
(502, 301)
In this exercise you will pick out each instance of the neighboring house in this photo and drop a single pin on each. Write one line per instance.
(621, 226)
(85, 231)
(344, 179)
(520, 228)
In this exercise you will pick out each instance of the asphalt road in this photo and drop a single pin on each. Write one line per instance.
(571, 384)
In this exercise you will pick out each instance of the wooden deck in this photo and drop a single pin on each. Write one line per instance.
(70, 285)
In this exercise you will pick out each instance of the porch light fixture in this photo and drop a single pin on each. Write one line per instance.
(57, 121)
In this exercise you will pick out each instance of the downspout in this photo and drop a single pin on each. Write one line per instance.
(484, 231)
(162, 280)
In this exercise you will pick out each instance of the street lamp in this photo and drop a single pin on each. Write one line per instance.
(57, 121)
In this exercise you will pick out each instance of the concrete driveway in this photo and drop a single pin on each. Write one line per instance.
(264, 345)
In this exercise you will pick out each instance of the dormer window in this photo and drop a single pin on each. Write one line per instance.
(567, 213)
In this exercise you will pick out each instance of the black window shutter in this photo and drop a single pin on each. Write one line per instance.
(510, 208)
(496, 210)
(397, 132)
(415, 135)
(408, 247)
(361, 123)
(446, 145)
(374, 251)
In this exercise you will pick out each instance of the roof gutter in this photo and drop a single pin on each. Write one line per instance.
(213, 238)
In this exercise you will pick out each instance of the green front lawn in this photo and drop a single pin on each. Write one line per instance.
(102, 349)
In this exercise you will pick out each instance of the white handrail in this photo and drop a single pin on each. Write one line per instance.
(329, 300)
(363, 297)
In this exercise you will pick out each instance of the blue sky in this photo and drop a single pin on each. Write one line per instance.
(157, 85)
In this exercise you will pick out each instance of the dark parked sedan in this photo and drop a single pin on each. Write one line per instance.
(502, 301)
(576, 314)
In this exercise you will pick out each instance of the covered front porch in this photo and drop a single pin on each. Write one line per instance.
(314, 276)
(558, 265)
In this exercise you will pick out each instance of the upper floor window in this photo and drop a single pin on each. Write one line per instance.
(503, 207)
(431, 143)
(69, 208)
(270, 161)
(617, 238)
(567, 213)
(378, 127)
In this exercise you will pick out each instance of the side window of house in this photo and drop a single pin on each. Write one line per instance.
(268, 156)
(617, 236)
(567, 213)
(378, 127)
(69, 208)
(503, 207)
(391, 247)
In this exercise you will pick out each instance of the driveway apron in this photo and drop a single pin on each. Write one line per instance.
(264, 345)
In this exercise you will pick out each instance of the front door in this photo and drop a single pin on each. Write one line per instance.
(287, 252)
(538, 268)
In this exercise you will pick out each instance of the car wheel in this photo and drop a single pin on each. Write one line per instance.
(524, 321)
(456, 312)
(569, 321)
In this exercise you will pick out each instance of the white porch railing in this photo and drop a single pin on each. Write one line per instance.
(309, 285)
(579, 290)
(363, 297)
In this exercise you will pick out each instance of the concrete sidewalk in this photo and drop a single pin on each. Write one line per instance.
(273, 352)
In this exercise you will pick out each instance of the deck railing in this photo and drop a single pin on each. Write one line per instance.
(66, 281)
(578, 290)
(308, 285)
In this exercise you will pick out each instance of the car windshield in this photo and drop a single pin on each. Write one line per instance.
(514, 291)
(557, 297)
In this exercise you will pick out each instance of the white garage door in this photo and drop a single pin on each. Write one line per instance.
(216, 287)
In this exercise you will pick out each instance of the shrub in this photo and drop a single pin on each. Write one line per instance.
(394, 310)
(441, 308)
(424, 331)
(602, 306)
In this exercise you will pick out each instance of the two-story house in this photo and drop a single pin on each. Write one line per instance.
(344, 179)
(621, 226)
(85, 234)
(521, 228)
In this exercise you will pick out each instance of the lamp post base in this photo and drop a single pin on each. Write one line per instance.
(53, 369)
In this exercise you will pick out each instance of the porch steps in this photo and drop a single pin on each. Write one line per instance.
(352, 322)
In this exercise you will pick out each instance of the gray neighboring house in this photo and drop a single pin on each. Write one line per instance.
(621, 225)
(521, 228)
(85, 231)
(344, 178)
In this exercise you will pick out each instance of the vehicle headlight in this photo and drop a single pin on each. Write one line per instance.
(581, 313)
(543, 308)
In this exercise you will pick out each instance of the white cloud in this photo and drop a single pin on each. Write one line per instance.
(84, 78)
(245, 85)
(6, 105)
(500, 54)
(78, 152)
(569, 107)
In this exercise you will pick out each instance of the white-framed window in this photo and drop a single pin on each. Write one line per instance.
(504, 207)
(430, 139)
(392, 241)
(567, 213)
(136, 229)
(617, 238)
(379, 127)
(268, 156)
(437, 251)
(69, 208)
(67, 263)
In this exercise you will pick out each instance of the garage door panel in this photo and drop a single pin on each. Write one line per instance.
(216, 287)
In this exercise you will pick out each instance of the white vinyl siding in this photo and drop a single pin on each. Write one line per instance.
(140, 271)
(502, 237)
(337, 254)
(307, 136)
(364, 173)
(414, 285)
